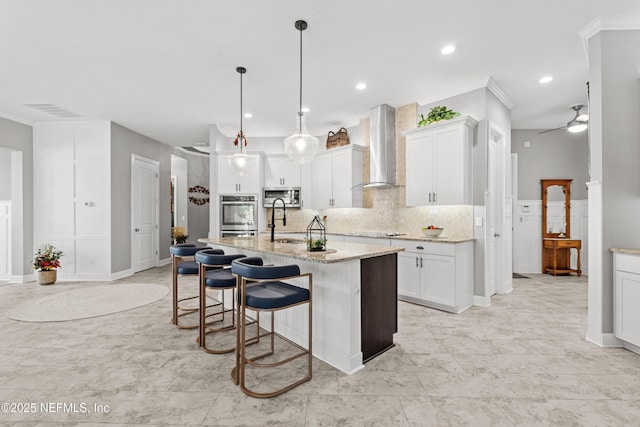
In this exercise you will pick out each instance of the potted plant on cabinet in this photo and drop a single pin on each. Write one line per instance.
(46, 262)
(437, 114)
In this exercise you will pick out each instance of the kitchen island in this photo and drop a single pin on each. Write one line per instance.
(355, 309)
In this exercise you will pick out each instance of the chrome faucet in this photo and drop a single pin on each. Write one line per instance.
(272, 226)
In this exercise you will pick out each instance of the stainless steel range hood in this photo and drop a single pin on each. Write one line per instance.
(382, 148)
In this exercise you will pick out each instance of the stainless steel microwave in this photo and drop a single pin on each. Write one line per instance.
(290, 195)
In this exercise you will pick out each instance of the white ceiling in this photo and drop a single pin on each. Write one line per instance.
(166, 68)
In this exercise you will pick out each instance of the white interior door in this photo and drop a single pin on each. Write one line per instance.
(492, 234)
(144, 203)
(499, 216)
(5, 239)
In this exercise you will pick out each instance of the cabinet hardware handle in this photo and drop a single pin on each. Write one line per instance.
(434, 197)
(496, 235)
(137, 229)
(420, 262)
(429, 196)
(420, 247)
(416, 262)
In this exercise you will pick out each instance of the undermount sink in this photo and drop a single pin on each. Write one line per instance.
(286, 240)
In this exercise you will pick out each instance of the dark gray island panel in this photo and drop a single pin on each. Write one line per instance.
(379, 304)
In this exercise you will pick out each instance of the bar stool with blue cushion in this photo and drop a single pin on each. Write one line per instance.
(215, 273)
(183, 263)
(262, 288)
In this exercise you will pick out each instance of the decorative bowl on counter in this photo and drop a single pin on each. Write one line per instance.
(431, 231)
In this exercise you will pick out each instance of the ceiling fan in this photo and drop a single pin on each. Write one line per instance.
(577, 124)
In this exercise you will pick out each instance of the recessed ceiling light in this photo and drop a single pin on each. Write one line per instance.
(449, 49)
(305, 109)
(361, 86)
(546, 79)
(248, 115)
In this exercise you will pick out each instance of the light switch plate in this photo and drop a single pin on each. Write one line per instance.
(478, 221)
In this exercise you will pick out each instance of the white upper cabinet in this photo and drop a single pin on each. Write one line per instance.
(229, 183)
(334, 174)
(280, 171)
(439, 163)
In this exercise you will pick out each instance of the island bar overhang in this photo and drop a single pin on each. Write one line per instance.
(355, 308)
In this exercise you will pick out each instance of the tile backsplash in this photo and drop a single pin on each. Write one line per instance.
(387, 214)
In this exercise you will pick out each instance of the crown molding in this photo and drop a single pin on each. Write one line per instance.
(499, 93)
(606, 23)
(489, 84)
(16, 119)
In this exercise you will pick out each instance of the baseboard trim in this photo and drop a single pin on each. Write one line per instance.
(481, 301)
(605, 340)
(163, 262)
(121, 274)
(22, 279)
(631, 347)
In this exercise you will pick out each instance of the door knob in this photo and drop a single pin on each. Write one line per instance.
(496, 235)
(137, 229)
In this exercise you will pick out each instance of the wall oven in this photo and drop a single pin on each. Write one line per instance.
(238, 215)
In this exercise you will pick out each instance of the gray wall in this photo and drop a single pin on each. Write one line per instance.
(5, 174)
(615, 142)
(124, 143)
(19, 137)
(197, 174)
(553, 155)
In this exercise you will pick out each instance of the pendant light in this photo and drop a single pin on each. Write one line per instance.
(301, 147)
(240, 163)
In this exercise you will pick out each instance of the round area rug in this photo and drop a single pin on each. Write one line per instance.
(87, 302)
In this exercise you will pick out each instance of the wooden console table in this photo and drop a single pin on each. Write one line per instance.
(556, 256)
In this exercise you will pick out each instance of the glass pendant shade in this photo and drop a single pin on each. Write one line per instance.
(301, 147)
(240, 163)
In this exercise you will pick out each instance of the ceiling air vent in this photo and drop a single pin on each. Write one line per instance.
(54, 110)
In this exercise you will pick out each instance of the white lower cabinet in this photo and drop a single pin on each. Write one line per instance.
(438, 275)
(626, 294)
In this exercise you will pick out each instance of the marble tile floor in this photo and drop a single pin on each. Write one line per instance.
(523, 361)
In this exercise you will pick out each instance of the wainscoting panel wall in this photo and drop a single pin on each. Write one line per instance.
(72, 195)
(527, 234)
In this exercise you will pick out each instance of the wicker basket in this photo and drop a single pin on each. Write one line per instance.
(337, 139)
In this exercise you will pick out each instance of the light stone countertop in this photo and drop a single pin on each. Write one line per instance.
(630, 251)
(383, 235)
(336, 251)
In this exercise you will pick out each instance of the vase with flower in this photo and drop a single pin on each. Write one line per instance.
(46, 261)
